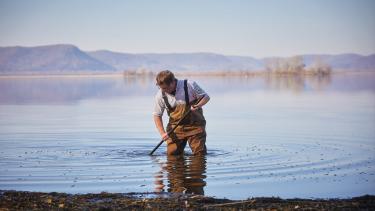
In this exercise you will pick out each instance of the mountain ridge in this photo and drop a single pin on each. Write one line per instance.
(59, 57)
(69, 58)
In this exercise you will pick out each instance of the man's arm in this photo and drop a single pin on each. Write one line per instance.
(201, 103)
(159, 125)
(199, 93)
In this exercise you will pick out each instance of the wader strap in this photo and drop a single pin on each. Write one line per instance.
(169, 107)
(186, 94)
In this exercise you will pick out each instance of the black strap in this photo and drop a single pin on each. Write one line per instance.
(165, 98)
(186, 94)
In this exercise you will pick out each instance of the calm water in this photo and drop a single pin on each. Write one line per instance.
(287, 137)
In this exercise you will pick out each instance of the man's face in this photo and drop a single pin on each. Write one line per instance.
(168, 88)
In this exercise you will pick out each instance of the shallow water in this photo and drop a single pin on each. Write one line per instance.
(289, 137)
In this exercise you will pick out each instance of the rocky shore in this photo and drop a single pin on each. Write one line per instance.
(20, 200)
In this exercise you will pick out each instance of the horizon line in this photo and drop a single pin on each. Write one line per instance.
(195, 52)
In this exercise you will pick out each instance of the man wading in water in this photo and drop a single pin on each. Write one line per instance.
(177, 97)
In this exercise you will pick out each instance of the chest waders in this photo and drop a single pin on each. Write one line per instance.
(194, 123)
(190, 129)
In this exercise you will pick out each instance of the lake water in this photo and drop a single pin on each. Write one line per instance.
(279, 136)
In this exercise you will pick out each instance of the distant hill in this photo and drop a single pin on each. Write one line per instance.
(69, 58)
(65, 58)
(177, 61)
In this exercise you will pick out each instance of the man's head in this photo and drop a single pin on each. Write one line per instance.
(166, 81)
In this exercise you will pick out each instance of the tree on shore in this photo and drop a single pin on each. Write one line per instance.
(319, 67)
(293, 65)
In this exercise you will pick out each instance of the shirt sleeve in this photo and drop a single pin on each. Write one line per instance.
(159, 106)
(198, 92)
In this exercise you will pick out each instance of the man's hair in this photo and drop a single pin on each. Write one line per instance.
(164, 77)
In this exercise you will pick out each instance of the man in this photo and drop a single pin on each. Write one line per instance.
(178, 97)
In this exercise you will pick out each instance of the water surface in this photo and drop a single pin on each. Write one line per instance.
(267, 136)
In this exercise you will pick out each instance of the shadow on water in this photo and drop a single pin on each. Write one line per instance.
(181, 174)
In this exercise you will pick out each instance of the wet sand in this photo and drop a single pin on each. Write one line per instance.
(19, 200)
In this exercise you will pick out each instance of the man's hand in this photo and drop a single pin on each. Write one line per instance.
(165, 136)
(194, 108)
(201, 103)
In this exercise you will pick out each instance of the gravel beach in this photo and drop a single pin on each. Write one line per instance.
(20, 200)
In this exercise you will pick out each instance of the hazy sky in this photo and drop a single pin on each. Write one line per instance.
(233, 27)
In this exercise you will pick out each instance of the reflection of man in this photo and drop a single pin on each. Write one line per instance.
(185, 175)
(178, 97)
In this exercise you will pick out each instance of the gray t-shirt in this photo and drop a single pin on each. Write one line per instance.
(195, 92)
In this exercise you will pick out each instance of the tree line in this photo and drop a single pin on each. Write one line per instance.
(296, 65)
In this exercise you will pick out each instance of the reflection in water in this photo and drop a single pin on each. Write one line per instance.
(142, 82)
(50, 90)
(184, 174)
(319, 82)
(66, 90)
(297, 82)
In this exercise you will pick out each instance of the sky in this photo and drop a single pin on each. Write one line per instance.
(257, 28)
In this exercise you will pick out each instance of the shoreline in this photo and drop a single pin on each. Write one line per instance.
(24, 200)
(187, 73)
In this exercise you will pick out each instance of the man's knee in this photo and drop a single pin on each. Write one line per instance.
(175, 147)
(198, 144)
(173, 151)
